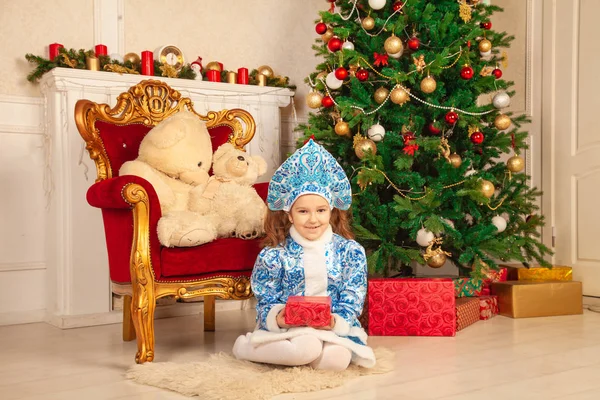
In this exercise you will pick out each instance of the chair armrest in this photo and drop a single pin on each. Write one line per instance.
(262, 189)
(109, 192)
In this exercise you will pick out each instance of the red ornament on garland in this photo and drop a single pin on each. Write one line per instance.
(497, 72)
(334, 44)
(362, 74)
(321, 28)
(327, 101)
(414, 43)
(451, 117)
(434, 128)
(408, 136)
(341, 73)
(486, 25)
(397, 5)
(466, 72)
(477, 138)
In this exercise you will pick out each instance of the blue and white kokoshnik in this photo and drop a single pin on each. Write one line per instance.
(310, 170)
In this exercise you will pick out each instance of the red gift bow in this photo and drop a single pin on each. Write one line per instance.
(410, 149)
(380, 59)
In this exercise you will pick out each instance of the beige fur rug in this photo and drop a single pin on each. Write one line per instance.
(224, 377)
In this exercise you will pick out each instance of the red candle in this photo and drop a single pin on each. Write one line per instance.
(242, 78)
(53, 49)
(213, 75)
(147, 63)
(101, 50)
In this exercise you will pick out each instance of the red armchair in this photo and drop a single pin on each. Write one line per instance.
(140, 268)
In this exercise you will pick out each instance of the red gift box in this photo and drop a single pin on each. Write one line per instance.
(308, 311)
(488, 307)
(493, 276)
(411, 307)
(467, 312)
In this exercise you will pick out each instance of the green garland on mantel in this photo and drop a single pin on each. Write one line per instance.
(76, 59)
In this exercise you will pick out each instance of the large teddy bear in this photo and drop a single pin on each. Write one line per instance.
(175, 156)
(229, 198)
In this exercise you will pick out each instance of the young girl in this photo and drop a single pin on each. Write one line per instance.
(309, 252)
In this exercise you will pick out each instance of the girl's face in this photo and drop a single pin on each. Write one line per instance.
(310, 216)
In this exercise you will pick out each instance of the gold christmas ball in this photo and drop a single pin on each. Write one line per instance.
(502, 122)
(455, 160)
(342, 128)
(485, 46)
(364, 146)
(213, 66)
(266, 71)
(428, 84)
(133, 58)
(327, 35)
(368, 23)
(393, 45)
(313, 99)
(515, 164)
(380, 95)
(487, 188)
(437, 261)
(399, 96)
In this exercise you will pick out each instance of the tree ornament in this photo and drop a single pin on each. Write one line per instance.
(327, 102)
(486, 55)
(397, 5)
(376, 4)
(376, 133)
(334, 44)
(419, 62)
(368, 23)
(500, 223)
(333, 82)
(424, 237)
(348, 45)
(393, 45)
(362, 146)
(399, 95)
(362, 74)
(314, 99)
(380, 95)
(502, 122)
(327, 35)
(213, 66)
(501, 100)
(485, 45)
(428, 85)
(414, 43)
(435, 258)
(455, 160)
(464, 11)
(515, 164)
(380, 59)
(353, 68)
(477, 137)
(487, 188)
(486, 25)
(466, 72)
(363, 180)
(342, 128)
(321, 28)
(396, 55)
(341, 73)
(497, 72)
(451, 117)
(434, 128)
(133, 58)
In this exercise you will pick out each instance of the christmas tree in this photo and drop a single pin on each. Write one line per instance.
(410, 100)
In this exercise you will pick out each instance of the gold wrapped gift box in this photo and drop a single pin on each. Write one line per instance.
(556, 273)
(522, 299)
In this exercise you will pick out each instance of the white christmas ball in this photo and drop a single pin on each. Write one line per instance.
(396, 55)
(117, 57)
(470, 172)
(501, 100)
(486, 54)
(376, 4)
(333, 82)
(449, 222)
(424, 236)
(376, 133)
(348, 45)
(499, 223)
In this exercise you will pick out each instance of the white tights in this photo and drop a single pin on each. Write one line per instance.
(300, 350)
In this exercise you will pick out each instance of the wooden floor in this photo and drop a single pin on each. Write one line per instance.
(537, 358)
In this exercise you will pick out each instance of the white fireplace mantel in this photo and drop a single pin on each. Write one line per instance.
(77, 271)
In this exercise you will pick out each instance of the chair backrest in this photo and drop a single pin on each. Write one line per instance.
(113, 135)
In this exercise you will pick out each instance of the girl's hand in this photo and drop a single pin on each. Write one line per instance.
(281, 319)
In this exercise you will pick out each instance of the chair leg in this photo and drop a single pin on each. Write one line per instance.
(142, 312)
(209, 313)
(128, 327)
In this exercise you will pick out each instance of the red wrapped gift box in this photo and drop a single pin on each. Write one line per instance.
(308, 311)
(411, 307)
(467, 312)
(488, 307)
(493, 276)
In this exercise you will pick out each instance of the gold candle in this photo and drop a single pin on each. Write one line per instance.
(262, 80)
(92, 63)
(231, 77)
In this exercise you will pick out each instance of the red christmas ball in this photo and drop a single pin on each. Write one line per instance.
(334, 44)
(331, 1)
(497, 72)
(321, 28)
(477, 137)
(466, 72)
(408, 136)
(414, 43)
(451, 117)
(486, 25)
(468, 43)
(362, 74)
(341, 73)
(397, 5)
(434, 128)
(327, 101)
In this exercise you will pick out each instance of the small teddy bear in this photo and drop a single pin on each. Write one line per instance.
(229, 198)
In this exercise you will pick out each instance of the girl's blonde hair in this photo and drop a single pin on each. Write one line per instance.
(277, 226)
